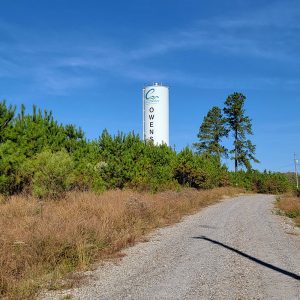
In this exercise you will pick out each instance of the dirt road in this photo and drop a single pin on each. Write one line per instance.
(236, 249)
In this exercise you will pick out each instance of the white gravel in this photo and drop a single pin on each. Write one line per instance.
(236, 249)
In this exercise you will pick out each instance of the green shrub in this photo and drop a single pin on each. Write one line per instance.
(87, 177)
(11, 160)
(53, 174)
(88, 165)
(127, 161)
(199, 171)
(266, 182)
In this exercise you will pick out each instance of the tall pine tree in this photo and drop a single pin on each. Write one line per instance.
(211, 132)
(240, 126)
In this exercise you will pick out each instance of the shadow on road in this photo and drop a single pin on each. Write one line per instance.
(287, 273)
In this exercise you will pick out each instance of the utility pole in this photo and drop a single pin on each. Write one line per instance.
(296, 171)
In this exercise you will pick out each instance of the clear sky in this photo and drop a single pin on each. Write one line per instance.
(87, 61)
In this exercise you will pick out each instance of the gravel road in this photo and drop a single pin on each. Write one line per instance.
(236, 249)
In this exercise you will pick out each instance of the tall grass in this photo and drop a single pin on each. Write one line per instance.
(289, 204)
(41, 242)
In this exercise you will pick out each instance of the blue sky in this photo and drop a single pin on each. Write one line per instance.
(87, 61)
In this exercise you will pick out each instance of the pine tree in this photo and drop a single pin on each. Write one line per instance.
(240, 125)
(211, 132)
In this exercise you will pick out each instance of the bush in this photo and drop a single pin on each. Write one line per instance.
(266, 182)
(53, 174)
(88, 166)
(88, 178)
(199, 171)
(153, 171)
(11, 160)
(127, 161)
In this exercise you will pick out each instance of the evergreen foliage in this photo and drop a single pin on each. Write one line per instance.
(39, 156)
(265, 182)
(129, 162)
(6, 115)
(199, 171)
(52, 174)
(211, 132)
(240, 125)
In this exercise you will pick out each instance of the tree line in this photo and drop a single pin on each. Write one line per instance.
(41, 157)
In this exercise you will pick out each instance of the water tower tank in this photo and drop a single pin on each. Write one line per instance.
(156, 113)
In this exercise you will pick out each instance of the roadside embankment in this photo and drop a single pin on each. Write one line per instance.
(235, 249)
(41, 242)
(289, 205)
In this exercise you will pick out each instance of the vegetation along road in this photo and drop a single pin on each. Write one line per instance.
(237, 249)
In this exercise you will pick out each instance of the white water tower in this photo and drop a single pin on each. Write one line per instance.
(156, 113)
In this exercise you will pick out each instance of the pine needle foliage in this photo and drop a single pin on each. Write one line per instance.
(42, 158)
(211, 132)
(240, 126)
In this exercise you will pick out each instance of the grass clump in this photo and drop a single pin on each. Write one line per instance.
(289, 205)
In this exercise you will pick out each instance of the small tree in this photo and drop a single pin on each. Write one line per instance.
(240, 125)
(211, 132)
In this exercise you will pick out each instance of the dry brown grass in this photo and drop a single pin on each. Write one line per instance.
(41, 242)
(290, 206)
